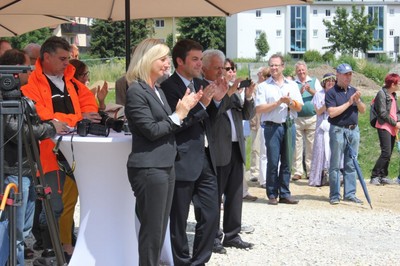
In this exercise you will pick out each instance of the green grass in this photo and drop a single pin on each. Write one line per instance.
(369, 144)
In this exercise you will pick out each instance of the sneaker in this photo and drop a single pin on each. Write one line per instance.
(354, 200)
(334, 201)
(375, 181)
(254, 179)
(246, 228)
(385, 181)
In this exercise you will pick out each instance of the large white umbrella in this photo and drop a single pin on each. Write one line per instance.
(115, 9)
(136, 9)
(13, 25)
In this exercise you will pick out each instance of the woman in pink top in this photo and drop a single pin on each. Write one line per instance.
(387, 126)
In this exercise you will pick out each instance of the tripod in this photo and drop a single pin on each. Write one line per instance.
(24, 111)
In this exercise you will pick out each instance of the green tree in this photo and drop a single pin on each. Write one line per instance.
(108, 38)
(36, 36)
(208, 31)
(262, 46)
(170, 41)
(349, 35)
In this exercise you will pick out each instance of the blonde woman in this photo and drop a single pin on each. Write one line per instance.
(151, 162)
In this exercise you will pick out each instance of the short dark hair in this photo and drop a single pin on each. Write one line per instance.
(181, 49)
(13, 57)
(277, 56)
(52, 44)
(79, 66)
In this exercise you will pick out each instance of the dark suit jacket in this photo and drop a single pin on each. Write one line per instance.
(190, 137)
(221, 126)
(121, 86)
(153, 141)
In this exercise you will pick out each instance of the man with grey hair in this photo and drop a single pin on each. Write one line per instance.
(33, 51)
(305, 122)
(227, 112)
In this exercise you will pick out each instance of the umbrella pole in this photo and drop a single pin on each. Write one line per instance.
(127, 33)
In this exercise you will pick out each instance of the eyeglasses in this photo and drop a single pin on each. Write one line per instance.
(275, 65)
(85, 74)
(230, 68)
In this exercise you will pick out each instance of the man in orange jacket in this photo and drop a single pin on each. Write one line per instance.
(57, 96)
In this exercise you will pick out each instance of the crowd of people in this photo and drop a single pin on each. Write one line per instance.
(188, 141)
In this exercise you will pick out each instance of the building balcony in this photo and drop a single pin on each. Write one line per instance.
(75, 28)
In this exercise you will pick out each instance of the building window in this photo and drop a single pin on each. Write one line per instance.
(258, 33)
(315, 12)
(258, 13)
(327, 34)
(376, 12)
(298, 28)
(278, 33)
(391, 32)
(315, 33)
(391, 11)
(391, 54)
(328, 12)
(278, 12)
(159, 23)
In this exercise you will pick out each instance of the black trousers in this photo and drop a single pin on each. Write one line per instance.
(230, 185)
(204, 194)
(387, 142)
(153, 188)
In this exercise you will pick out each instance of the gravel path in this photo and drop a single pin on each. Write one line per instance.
(314, 232)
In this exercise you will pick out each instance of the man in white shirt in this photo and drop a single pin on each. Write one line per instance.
(275, 98)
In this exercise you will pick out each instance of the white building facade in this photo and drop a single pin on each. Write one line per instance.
(297, 29)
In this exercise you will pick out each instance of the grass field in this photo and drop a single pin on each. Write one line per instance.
(369, 144)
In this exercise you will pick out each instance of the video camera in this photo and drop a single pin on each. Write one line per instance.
(9, 81)
(85, 126)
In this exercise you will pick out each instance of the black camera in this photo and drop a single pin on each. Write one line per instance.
(244, 83)
(110, 122)
(9, 81)
(85, 127)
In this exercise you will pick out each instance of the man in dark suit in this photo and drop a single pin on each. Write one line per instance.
(227, 129)
(195, 170)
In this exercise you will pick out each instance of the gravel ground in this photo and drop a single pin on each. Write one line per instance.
(315, 232)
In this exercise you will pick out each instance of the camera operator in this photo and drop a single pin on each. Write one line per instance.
(25, 212)
(58, 96)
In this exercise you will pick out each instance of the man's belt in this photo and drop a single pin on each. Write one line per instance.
(270, 123)
(351, 127)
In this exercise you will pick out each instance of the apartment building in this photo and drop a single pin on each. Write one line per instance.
(297, 29)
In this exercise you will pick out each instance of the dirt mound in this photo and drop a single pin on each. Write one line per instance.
(367, 86)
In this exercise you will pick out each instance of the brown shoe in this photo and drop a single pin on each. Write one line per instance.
(289, 200)
(249, 197)
(296, 177)
(272, 201)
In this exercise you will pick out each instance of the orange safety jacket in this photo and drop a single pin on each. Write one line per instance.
(38, 89)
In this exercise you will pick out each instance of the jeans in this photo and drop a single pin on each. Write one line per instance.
(387, 142)
(25, 212)
(339, 149)
(277, 182)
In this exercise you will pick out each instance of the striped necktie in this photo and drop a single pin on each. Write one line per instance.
(191, 87)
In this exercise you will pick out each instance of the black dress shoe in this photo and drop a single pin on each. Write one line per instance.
(289, 200)
(219, 248)
(238, 243)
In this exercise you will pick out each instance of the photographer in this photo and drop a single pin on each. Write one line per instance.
(58, 96)
(25, 212)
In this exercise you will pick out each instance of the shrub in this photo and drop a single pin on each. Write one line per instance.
(328, 57)
(289, 71)
(312, 56)
(375, 72)
(348, 59)
(383, 58)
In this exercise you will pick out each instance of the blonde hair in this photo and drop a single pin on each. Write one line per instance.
(146, 52)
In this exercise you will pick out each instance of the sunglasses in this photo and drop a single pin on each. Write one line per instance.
(230, 68)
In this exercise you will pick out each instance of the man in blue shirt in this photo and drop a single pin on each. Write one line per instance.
(343, 103)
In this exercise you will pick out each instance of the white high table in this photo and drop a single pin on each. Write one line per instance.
(107, 231)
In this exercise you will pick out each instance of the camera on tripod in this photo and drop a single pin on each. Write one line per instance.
(9, 81)
(85, 126)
